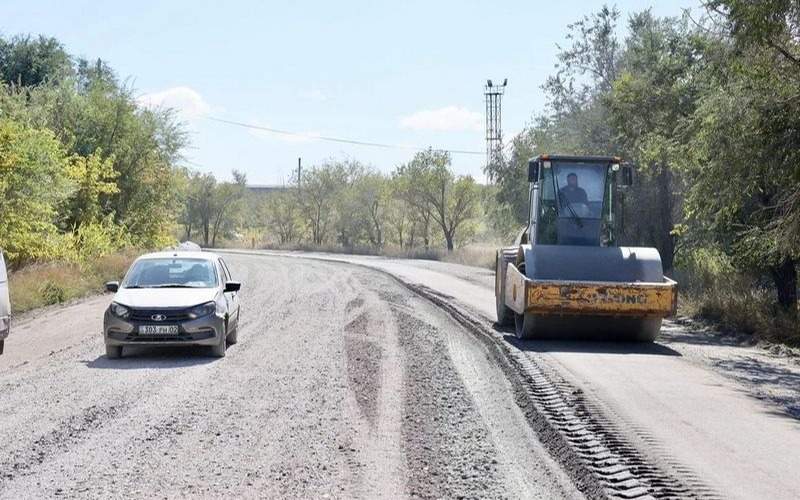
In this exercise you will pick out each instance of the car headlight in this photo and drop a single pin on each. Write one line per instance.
(120, 311)
(203, 310)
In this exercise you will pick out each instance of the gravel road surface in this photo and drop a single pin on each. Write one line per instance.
(722, 415)
(344, 384)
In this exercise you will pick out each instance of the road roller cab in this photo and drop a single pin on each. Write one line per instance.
(566, 277)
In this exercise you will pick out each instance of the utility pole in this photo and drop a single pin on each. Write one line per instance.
(299, 170)
(494, 133)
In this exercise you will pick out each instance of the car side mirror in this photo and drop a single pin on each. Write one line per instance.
(627, 175)
(233, 286)
(112, 286)
(533, 171)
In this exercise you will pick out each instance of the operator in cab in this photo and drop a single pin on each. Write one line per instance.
(572, 193)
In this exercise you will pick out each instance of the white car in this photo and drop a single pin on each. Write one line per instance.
(5, 304)
(173, 298)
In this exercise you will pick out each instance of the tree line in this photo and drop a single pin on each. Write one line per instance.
(84, 170)
(422, 204)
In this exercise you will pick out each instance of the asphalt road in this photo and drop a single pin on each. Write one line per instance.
(344, 384)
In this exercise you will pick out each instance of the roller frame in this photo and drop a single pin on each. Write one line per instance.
(560, 297)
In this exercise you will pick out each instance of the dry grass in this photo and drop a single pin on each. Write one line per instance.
(56, 282)
(713, 290)
(476, 255)
(752, 311)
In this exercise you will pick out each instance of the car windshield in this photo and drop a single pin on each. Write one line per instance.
(171, 273)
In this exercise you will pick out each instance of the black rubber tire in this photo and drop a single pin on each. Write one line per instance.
(218, 350)
(233, 337)
(113, 351)
(505, 316)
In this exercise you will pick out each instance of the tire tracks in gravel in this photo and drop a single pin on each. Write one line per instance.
(602, 460)
(342, 385)
(584, 438)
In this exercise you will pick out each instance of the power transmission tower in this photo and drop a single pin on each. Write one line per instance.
(494, 134)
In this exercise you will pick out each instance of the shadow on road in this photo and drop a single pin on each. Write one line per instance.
(148, 357)
(586, 346)
(697, 334)
(774, 384)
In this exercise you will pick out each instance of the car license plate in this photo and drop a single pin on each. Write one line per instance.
(158, 329)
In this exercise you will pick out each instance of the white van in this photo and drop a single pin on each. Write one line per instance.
(5, 304)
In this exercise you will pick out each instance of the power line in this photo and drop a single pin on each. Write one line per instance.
(344, 141)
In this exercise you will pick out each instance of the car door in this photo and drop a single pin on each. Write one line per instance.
(232, 298)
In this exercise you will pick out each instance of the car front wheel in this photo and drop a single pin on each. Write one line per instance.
(113, 351)
(218, 350)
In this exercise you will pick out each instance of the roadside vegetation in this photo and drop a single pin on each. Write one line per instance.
(705, 107)
(421, 206)
(85, 173)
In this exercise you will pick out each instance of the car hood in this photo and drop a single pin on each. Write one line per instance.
(164, 297)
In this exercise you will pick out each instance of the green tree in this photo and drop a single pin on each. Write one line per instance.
(94, 179)
(283, 216)
(28, 61)
(32, 184)
(318, 192)
(744, 169)
(652, 100)
(227, 203)
(429, 184)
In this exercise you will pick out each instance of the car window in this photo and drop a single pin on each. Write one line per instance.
(171, 273)
(3, 276)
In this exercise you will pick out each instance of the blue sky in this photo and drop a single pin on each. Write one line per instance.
(409, 73)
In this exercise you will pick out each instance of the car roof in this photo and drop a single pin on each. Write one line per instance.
(180, 255)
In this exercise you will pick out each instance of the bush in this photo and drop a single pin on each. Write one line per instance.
(712, 289)
(57, 282)
(45, 284)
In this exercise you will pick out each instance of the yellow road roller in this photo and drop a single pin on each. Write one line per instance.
(565, 277)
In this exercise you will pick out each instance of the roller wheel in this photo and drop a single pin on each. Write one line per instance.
(648, 330)
(523, 326)
(505, 316)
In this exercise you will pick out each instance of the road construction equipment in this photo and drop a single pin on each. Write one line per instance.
(565, 278)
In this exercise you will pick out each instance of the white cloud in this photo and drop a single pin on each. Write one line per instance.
(185, 100)
(315, 95)
(447, 119)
